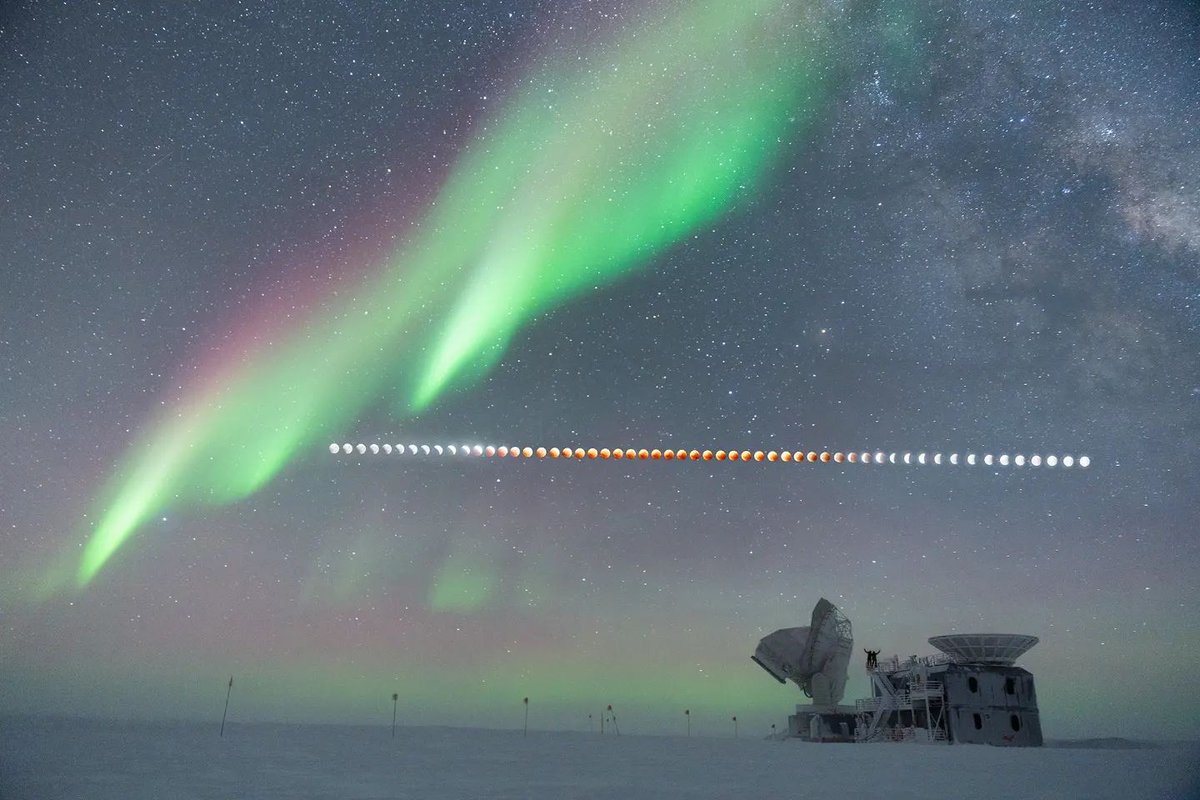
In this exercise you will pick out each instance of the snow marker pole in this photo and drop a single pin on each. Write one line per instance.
(228, 692)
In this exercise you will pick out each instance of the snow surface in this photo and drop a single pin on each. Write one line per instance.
(63, 758)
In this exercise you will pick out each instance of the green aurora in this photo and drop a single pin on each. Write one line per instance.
(594, 166)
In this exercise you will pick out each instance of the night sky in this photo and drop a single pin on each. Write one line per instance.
(231, 234)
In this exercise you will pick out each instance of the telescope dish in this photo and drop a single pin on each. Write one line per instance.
(815, 657)
(1001, 649)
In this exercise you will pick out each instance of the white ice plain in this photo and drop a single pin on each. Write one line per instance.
(100, 760)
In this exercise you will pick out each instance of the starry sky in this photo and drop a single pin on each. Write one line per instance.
(233, 233)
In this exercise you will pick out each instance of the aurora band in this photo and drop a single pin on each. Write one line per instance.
(594, 166)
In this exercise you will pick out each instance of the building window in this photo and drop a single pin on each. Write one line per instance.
(972, 684)
(1015, 721)
(1010, 686)
(979, 722)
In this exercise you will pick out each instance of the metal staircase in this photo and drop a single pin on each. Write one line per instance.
(910, 709)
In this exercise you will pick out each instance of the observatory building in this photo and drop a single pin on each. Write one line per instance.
(970, 693)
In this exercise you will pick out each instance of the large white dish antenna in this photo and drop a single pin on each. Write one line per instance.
(815, 658)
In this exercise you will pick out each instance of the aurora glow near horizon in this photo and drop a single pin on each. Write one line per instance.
(580, 180)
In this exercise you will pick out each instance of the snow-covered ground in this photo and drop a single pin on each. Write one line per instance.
(57, 758)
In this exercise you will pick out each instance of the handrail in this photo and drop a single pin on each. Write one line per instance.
(896, 664)
(929, 690)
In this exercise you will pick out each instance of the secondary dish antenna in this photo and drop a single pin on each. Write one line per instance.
(999, 649)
